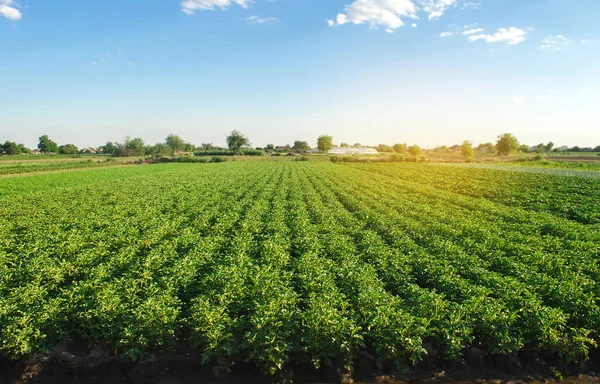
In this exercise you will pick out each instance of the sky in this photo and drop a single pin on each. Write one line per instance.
(426, 72)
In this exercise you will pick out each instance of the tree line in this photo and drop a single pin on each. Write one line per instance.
(506, 144)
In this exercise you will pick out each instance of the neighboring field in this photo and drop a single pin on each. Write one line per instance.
(277, 262)
(24, 167)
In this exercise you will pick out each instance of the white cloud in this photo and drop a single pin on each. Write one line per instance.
(436, 8)
(512, 35)
(472, 31)
(470, 5)
(414, 25)
(555, 43)
(262, 20)
(387, 13)
(446, 34)
(517, 99)
(331, 23)
(390, 13)
(8, 9)
(191, 6)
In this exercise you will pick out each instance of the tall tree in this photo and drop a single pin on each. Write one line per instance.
(235, 141)
(414, 150)
(400, 148)
(175, 142)
(506, 144)
(301, 146)
(325, 143)
(46, 145)
(68, 149)
(467, 150)
(10, 148)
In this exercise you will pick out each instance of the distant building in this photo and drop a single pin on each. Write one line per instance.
(353, 151)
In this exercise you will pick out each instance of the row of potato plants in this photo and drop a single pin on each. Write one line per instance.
(571, 197)
(277, 263)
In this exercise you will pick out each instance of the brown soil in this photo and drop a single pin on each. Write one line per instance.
(65, 367)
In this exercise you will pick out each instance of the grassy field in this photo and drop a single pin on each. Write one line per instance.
(284, 262)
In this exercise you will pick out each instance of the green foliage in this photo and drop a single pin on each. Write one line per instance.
(325, 143)
(235, 142)
(175, 142)
(68, 149)
(278, 262)
(506, 144)
(414, 150)
(109, 148)
(46, 145)
(384, 148)
(400, 148)
(301, 146)
(486, 149)
(244, 152)
(11, 148)
(467, 150)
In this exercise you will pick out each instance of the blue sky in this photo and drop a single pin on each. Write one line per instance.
(428, 72)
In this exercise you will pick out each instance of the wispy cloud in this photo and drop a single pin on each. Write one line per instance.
(446, 34)
(8, 9)
(192, 6)
(262, 20)
(472, 31)
(555, 43)
(510, 35)
(390, 14)
(470, 5)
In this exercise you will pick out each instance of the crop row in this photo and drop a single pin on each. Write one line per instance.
(284, 262)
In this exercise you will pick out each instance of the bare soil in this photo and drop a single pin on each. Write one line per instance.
(61, 367)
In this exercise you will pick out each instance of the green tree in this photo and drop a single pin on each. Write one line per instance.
(486, 148)
(540, 148)
(524, 148)
(235, 141)
(467, 150)
(506, 144)
(270, 147)
(344, 145)
(325, 143)
(68, 149)
(136, 145)
(548, 147)
(189, 147)
(414, 150)
(23, 148)
(384, 148)
(357, 145)
(10, 148)
(597, 149)
(46, 145)
(301, 146)
(109, 148)
(207, 147)
(160, 150)
(400, 148)
(175, 142)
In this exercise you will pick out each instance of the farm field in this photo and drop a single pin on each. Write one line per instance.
(277, 263)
